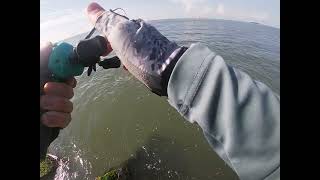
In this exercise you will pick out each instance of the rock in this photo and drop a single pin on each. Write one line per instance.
(48, 166)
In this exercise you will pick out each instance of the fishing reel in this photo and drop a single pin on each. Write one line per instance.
(66, 61)
(89, 53)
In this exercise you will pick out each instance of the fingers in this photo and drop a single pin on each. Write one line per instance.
(72, 82)
(56, 103)
(58, 89)
(94, 10)
(56, 119)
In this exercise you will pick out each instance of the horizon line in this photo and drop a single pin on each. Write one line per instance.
(200, 18)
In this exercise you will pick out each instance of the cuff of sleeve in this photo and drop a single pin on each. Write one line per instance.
(187, 76)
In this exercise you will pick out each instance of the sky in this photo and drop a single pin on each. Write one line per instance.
(60, 19)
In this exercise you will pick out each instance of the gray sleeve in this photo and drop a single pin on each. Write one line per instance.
(240, 117)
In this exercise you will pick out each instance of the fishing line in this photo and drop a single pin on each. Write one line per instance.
(120, 14)
(90, 33)
(113, 11)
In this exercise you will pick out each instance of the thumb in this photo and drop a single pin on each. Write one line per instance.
(94, 11)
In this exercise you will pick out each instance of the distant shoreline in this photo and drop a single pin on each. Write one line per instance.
(250, 22)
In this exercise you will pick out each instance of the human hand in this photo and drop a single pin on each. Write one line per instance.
(56, 97)
(143, 50)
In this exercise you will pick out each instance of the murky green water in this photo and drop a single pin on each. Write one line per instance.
(116, 118)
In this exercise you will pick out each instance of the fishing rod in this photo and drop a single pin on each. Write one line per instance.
(66, 61)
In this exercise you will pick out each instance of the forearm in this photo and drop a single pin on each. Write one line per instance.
(240, 117)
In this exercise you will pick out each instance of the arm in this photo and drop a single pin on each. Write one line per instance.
(240, 117)
(55, 104)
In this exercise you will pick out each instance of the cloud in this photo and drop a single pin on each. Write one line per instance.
(201, 8)
(242, 15)
(59, 25)
(189, 5)
(205, 9)
(220, 9)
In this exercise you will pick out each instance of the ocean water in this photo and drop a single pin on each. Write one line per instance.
(116, 119)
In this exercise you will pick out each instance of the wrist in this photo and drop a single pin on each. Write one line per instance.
(165, 75)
